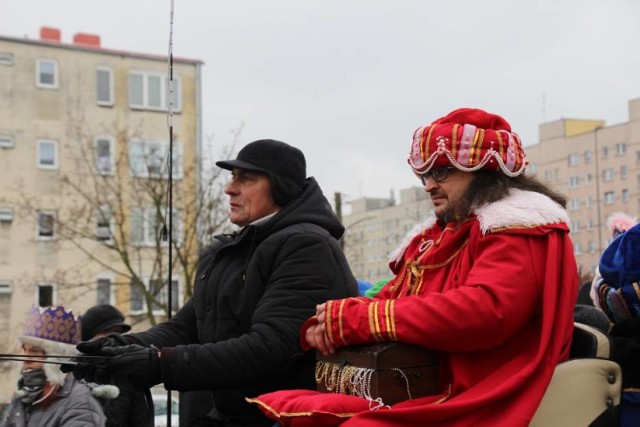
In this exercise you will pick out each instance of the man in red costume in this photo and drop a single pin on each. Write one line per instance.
(490, 281)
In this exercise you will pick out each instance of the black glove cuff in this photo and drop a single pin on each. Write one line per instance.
(168, 362)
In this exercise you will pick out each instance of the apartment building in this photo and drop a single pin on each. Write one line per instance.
(84, 147)
(376, 226)
(597, 167)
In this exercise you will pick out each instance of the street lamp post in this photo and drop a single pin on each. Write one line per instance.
(598, 199)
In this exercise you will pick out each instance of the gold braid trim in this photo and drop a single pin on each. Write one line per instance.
(515, 227)
(340, 326)
(425, 145)
(387, 320)
(478, 152)
(454, 139)
(445, 262)
(327, 321)
(372, 322)
(296, 414)
(443, 398)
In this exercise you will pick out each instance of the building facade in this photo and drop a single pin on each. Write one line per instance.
(376, 226)
(84, 155)
(597, 167)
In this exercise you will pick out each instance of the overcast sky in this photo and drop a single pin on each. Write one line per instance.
(348, 81)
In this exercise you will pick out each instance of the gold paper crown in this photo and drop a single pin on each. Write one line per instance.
(52, 324)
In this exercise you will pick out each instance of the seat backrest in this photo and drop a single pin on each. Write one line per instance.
(582, 392)
(586, 389)
(589, 342)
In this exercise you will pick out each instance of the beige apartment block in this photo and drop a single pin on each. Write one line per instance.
(376, 226)
(597, 167)
(84, 142)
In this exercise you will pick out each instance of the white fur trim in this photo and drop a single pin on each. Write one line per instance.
(519, 209)
(54, 374)
(105, 391)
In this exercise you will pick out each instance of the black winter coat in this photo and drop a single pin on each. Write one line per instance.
(239, 334)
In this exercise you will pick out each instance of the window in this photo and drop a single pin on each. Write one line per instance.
(548, 175)
(46, 294)
(103, 224)
(159, 291)
(574, 204)
(6, 215)
(47, 154)
(588, 201)
(575, 226)
(46, 225)
(590, 224)
(557, 174)
(6, 141)
(145, 226)
(577, 248)
(149, 158)
(573, 159)
(6, 58)
(573, 181)
(587, 157)
(609, 197)
(605, 152)
(588, 179)
(104, 86)
(103, 290)
(625, 195)
(104, 155)
(150, 91)
(607, 174)
(136, 302)
(47, 73)
(621, 149)
(5, 287)
(624, 172)
(592, 246)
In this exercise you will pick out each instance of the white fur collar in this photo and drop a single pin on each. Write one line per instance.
(520, 208)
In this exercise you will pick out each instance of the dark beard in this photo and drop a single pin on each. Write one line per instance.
(452, 213)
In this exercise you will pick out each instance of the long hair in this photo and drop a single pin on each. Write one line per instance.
(489, 187)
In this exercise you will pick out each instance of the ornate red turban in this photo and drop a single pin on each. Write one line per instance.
(468, 139)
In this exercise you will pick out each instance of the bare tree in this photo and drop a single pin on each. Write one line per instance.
(112, 208)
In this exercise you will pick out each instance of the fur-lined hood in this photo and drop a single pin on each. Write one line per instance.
(524, 209)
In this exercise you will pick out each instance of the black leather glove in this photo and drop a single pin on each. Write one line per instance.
(139, 365)
(94, 346)
(95, 369)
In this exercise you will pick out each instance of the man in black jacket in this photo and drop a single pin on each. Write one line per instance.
(238, 336)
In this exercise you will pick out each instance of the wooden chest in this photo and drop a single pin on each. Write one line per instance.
(392, 372)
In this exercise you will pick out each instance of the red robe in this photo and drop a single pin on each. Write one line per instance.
(495, 294)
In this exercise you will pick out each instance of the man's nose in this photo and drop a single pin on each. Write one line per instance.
(230, 188)
(430, 185)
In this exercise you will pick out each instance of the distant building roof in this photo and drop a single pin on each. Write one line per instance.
(88, 43)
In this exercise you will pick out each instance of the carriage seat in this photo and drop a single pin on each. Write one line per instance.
(586, 389)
